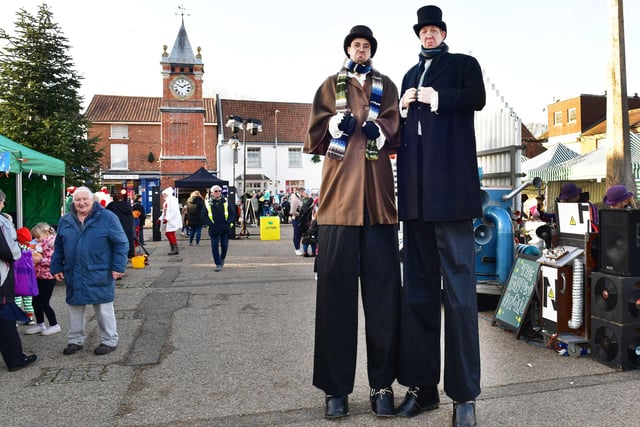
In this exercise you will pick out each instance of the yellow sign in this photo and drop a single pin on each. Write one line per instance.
(269, 228)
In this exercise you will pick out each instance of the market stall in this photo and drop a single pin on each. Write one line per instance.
(33, 183)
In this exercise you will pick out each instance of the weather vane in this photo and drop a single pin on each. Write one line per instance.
(181, 13)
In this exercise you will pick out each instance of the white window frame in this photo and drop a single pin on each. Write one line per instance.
(295, 157)
(572, 115)
(254, 186)
(119, 156)
(254, 157)
(119, 132)
(557, 118)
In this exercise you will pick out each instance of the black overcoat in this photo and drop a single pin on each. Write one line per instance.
(442, 173)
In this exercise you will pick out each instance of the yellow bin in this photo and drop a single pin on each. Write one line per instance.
(269, 228)
(137, 261)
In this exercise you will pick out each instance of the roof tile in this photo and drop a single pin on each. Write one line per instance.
(292, 120)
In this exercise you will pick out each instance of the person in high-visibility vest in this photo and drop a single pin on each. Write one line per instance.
(220, 218)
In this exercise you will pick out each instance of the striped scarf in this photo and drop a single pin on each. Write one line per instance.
(338, 146)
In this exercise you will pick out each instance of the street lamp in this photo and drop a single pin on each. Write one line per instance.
(276, 150)
(235, 123)
(234, 144)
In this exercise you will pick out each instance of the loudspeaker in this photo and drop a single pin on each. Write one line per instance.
(620, 241)
(615, 345)
(615, 298)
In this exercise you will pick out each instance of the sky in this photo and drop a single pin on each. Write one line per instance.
(533, 52)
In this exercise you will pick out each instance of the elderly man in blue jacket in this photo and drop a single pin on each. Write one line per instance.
(90, 254)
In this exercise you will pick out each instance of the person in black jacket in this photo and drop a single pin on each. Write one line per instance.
(195, 206)
(220, 218)
(10, 344)
(438, 196)
(140, 216)
(305, 219)
(286, 209)
(122, 208)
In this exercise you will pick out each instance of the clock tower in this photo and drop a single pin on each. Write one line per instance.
(182, 112)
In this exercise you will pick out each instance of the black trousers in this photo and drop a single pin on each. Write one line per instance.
(346, 254)
(433, 251)
(10, 344)
(41, 302)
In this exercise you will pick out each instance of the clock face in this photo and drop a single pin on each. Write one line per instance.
(182, 87)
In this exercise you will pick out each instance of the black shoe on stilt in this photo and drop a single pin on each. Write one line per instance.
(417, 400)
(382, 402)
(336, 407)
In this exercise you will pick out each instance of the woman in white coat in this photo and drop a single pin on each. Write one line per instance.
(171, 218)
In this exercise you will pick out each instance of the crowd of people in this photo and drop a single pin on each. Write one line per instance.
(89, 250)
(358, 119)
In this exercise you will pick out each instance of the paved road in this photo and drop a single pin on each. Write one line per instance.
(234, 348)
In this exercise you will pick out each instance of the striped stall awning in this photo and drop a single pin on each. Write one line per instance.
(634, 146)
(590, 166)
(542, 165)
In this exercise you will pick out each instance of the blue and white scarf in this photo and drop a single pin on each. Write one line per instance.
(338, 146)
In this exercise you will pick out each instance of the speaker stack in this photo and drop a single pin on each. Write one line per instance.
(615, 298)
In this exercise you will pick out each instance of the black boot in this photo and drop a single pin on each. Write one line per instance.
(417, 400)
(174, 249)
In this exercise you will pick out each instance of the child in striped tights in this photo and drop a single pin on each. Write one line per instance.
(26, 303)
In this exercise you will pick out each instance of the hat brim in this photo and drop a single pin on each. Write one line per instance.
(618, 200)
(565, 197)
(350, 37)
(438, 24)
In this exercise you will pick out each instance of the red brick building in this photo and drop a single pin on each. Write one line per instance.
(570, 118)
(151, 142)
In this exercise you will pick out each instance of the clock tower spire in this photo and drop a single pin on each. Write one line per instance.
(182, 110)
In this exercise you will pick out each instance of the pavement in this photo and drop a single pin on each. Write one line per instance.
(235, 348)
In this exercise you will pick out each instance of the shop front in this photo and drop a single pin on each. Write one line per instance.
(134, 184)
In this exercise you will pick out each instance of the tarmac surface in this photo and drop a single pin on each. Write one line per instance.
(235, 347)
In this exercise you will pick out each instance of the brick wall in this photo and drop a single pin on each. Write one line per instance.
(143, 138)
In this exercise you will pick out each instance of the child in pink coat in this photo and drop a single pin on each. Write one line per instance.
(42, 249)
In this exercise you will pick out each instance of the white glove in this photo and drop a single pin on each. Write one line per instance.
(333, 125)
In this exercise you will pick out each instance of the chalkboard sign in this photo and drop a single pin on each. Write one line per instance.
(518, 290)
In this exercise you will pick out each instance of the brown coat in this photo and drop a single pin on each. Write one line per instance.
(349, 183)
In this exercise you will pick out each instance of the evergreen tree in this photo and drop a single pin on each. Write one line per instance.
(40, 106)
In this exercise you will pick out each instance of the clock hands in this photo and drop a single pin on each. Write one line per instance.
(182, 86)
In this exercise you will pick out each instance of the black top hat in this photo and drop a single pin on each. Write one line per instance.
(429, 15)
(364, 32)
